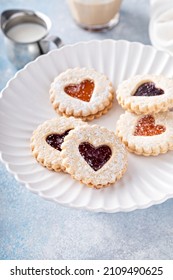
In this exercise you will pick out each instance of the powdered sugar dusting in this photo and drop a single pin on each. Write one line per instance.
(45, 153)
(96, 136)
(145, 104)
(126, 127)
(101, 96)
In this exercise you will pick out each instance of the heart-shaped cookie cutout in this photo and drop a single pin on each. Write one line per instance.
(82, 91)
(55, 140)
(148, 89)
(146, 127)
(96, 157)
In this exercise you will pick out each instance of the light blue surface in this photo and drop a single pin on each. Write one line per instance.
(32, 228)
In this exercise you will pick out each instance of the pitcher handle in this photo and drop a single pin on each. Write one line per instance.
(50, 38)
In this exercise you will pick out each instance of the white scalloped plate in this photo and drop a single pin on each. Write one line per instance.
(25, 103)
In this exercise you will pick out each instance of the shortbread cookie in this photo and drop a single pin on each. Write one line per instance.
(82, 93)
(145, 94)
(47, 139)
(94, 116)
(94, 156)
(146, 135)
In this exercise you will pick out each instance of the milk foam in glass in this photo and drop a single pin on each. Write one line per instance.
(95, 14)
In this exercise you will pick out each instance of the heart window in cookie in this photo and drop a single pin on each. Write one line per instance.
(55, 140)
(146, 127)
(82, 91)
(96, 157)
(148, 89)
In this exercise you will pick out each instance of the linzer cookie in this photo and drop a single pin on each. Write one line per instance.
(94, 156)
(47, 139)
(82, 93)
(145, 94)
(146, 135)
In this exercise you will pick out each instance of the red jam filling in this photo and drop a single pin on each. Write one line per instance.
(146, 127)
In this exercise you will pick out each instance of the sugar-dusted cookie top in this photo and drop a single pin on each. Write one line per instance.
(143, 94)
(47, 139)
(94, 156)
(81, 92)
(146, 135)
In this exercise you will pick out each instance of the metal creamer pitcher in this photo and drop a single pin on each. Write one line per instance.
(26, 35)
